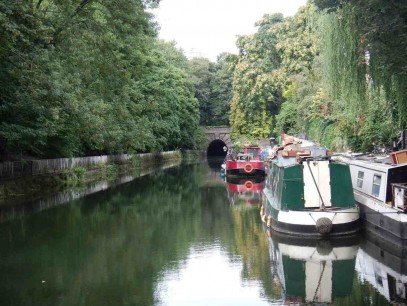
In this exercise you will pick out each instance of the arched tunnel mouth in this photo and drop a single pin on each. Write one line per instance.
(217, 148)
(216, 153)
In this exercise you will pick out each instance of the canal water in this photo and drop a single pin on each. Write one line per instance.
(184, 236)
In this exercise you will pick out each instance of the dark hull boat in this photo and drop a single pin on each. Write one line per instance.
(384, 268)
(380, 189)
(307, 194)
(248, 163)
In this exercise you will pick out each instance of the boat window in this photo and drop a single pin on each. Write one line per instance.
(376, 185)
(359, 182)
(254, 152)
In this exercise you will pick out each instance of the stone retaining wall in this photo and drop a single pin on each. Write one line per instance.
(18, 169)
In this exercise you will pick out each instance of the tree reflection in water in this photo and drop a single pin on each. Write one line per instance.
(167, 238)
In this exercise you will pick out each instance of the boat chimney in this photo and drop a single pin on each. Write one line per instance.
(394, 146)
(403, 139)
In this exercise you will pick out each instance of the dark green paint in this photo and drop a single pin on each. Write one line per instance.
(287, 186)
(294, 274)
(293, 189)
(342, 277)
(341, 186)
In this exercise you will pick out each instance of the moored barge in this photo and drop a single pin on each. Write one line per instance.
(380, 189)
(308, 194)
(247, 163)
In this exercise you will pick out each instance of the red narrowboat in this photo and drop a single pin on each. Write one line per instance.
(248, 163)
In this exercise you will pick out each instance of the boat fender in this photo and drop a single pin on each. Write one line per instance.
(268, 221)
(263, 218)
(323, 225)
(263, 214)
(324, 247)
(248, 168)
(248, 185)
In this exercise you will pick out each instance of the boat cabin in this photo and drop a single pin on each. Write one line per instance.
(384, 182)
(311, 184)
(252, 152)
(302, 176)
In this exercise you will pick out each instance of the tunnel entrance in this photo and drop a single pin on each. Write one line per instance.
(217, 148)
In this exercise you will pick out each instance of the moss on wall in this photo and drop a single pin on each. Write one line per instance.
(30, 188)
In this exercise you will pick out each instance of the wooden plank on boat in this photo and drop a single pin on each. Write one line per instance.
(399, 157)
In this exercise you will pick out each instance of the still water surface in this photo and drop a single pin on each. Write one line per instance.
(183, 236)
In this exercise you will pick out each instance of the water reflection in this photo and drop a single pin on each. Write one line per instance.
(138, 244)
(209, 277)
(245, 192)
(22, 208)
(172, 238)
(215, 162)
(313, 271)
(385, 268)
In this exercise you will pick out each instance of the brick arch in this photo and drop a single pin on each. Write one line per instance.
(218, 133)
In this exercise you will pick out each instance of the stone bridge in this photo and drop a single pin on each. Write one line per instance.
(218, 140)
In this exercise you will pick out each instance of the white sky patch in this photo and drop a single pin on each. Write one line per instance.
(209, 27)
(208, 278)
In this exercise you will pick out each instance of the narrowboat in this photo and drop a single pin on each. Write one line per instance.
(307, 193)
(245, 191)
(380, 189)
(383, 268)
(246, 163)
(318, 271)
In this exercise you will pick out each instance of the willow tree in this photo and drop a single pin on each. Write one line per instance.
(302, 96)
(363, 45)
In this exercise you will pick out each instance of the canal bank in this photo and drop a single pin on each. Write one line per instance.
(31, 180)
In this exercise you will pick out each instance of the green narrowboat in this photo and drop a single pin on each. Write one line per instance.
(307, 193)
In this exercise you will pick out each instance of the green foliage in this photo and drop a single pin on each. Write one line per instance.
(361, 44)
(221, 89)
(111, 171)
(213, 88)
(201, 74)
(90, 77)
(79, 172)
(201, 140)
(135, 162)
(280, 47)
(239, 144)
(70, 178)
(326, 4)
(348, 89)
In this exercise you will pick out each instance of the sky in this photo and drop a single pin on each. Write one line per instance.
(209, 27)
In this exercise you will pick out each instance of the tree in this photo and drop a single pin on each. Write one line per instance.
(221, 89)
(75, 80)
(202, 70)
(280, 48)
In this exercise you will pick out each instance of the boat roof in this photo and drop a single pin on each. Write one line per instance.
(374, 162)
(251, 147)
(295, 150)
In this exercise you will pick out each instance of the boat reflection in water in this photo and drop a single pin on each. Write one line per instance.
(384, 267)
(313, 271)
(245, 191)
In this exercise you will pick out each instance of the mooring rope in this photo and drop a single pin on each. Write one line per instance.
(319, 281)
